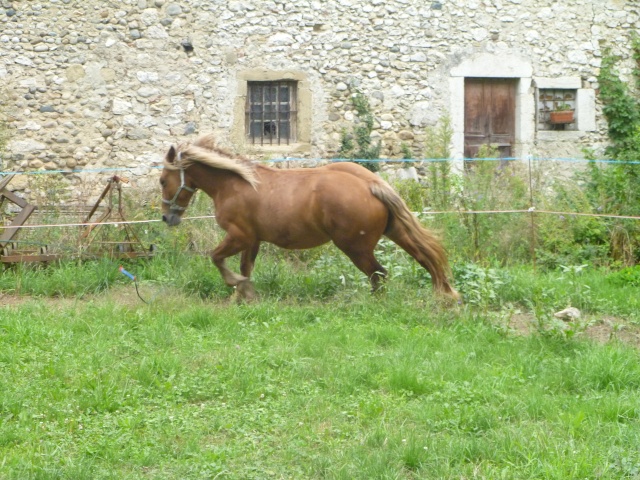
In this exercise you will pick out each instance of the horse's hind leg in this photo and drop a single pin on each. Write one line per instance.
(367, 263)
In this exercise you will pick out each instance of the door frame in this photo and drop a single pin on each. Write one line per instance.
(486, 114)
(488, 65)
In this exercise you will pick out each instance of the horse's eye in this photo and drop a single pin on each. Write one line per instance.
(162, 182)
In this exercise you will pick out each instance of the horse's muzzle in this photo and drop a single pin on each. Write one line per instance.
(171, 219)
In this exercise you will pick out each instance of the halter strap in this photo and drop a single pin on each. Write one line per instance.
(173, 204)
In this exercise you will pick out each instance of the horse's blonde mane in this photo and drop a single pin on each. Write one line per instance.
(205, 151)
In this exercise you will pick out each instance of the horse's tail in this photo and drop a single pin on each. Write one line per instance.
(405, 230)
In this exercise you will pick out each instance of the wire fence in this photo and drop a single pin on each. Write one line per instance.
(390, 161)
(537, 180)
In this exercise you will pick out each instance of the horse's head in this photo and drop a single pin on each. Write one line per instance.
(177, 188)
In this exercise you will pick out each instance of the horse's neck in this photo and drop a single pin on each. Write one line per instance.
(218, 183)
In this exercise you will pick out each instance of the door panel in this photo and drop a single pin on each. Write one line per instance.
(489, 114)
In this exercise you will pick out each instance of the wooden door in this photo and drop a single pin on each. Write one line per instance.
(489, 114)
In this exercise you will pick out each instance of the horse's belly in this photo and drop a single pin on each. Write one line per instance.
(296, 239)
(300, 243)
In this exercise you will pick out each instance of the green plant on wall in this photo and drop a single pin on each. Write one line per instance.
(407, 155)
(615, 188)
(358, 145)
(620, 108)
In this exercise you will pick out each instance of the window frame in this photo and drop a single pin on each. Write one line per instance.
(268, 113)
(301, 143)
(545, 105)
(585, 107)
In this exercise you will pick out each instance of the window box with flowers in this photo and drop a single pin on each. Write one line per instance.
(562, 114)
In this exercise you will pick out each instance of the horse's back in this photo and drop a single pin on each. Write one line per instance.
(307, 207)
(353, 169)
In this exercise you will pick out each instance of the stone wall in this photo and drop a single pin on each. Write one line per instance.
(112, 83)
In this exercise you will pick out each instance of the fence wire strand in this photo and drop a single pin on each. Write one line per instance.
(423, 213)
(535, 207)
(390, 161)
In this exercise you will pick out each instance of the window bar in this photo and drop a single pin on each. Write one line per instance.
(262, 117)
(271, 109)
(275, 124)
(274, 99)
(278, 115)
(283, 88)
(253, 131)
(248, 116)
(277, 107)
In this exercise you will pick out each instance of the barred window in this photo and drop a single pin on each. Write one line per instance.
(271, 112)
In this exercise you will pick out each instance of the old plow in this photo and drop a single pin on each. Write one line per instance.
(129, 244)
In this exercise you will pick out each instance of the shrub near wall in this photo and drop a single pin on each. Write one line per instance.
(615, 188)
(358, 145)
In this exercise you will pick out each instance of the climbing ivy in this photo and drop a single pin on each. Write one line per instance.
(621, 108)
(615, 188)
(358, 145)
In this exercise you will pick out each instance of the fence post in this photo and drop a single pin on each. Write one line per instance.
(532, 209)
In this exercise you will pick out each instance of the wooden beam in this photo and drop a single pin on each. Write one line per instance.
(18, 221)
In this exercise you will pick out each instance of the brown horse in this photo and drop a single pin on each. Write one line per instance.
(296, 208)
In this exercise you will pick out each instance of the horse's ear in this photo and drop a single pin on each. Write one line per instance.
(171, 154)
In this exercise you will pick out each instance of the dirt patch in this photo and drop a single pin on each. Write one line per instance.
(613, 329)
(596, 328)
(522, 324)
(12, 300)
(124, 295)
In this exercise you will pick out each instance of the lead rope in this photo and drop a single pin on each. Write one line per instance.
(135, 281)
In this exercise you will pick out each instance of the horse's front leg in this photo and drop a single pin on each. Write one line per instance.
(248, 259)
(230, 246)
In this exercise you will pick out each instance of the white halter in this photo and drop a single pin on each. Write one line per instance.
(173, 205)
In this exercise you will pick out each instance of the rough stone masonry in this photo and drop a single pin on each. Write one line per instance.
(112, 83)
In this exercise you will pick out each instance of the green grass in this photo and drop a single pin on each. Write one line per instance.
(318, 379)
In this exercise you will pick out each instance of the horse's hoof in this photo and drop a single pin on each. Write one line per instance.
(245, 291)
(379, 289)
(450, 298)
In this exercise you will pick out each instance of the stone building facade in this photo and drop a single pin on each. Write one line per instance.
(112, 83)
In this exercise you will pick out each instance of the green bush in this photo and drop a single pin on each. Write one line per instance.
(629, 276)
(479, 286)
(615, 188)
(413, 193)
(439, 177)
(494, 185)
(358, 145)
(569, 239)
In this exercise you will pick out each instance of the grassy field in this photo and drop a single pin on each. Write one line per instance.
(318, 379)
